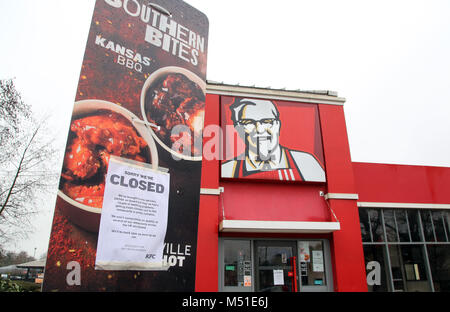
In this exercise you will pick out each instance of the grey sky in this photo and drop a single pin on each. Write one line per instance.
(389, 59)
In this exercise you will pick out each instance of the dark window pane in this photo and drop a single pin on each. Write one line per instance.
(377, 227)
(364, 223)
(446, 215)
(408, 268)
(389, 223)
(272, 257)
(414, 225)
(396, 268)
(237, 262)
(427, 226)
(399, 286)
(375, 259)
(439, 226)
(413, 261)
(414, 268)
(402, 225)
(439, 257)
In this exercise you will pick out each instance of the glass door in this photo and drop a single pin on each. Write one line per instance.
(314, 266)
(275, 266)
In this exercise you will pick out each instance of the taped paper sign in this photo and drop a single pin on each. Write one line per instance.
(278, 277)
(133, 223)
(317, 258)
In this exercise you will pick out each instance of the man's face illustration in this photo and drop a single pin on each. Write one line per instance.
(261, 127)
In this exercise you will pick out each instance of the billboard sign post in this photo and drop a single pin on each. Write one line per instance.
(130, 184)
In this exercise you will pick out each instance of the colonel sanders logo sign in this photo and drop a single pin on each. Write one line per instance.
(259, 125)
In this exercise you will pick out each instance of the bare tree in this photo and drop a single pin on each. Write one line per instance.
(26, 164)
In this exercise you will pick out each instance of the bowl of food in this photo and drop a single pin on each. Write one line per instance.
(174, 99)
(98, 130)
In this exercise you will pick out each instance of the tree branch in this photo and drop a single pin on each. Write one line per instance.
(19, 169)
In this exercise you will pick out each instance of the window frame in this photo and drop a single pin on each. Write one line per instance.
(423, 243)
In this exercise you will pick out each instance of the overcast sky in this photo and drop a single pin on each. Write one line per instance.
(389, 59)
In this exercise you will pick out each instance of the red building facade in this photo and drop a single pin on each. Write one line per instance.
(270, 234)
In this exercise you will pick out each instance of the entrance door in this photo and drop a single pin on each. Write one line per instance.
(275, 266)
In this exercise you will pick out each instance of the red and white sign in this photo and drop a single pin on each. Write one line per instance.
(271, 140)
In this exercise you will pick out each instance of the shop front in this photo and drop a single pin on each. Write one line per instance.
(308, 219)
(278, 207)
(405, 217)
(274, 265)
(271, 202)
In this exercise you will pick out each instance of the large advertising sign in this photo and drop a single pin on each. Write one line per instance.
(126, 214)
(271, 140)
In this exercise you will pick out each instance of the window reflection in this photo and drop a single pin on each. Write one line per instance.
(414, 225)
(446, 217)
(439, 257)
(427, 226)
(377, 280)
(402, 225)
(408, 268)
(438, 223)
(274, 267)
(396, 268)
(389, 223)
(237, 262)
(312, 268)
(376, 225)
(364, 223)
(416, 253)
(414, 268)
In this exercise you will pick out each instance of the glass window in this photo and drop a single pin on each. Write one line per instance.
(374, 256)
(408, 268)
(274, 255)
(446, 216)
(389, 223)
(274, 266)
(237, 263)
(396, 268)
(414, 267)
(439, 257)
(376, 225)
(365, 227)
(402, 225)
(427, 225)
(414, 225)
(312, 263)
(438, 223)
(416, 251)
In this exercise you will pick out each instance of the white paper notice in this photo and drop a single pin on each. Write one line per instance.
(278, 277)
(133, 222)
(317, 258)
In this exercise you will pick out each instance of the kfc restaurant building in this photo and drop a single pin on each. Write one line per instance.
(286, 209)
